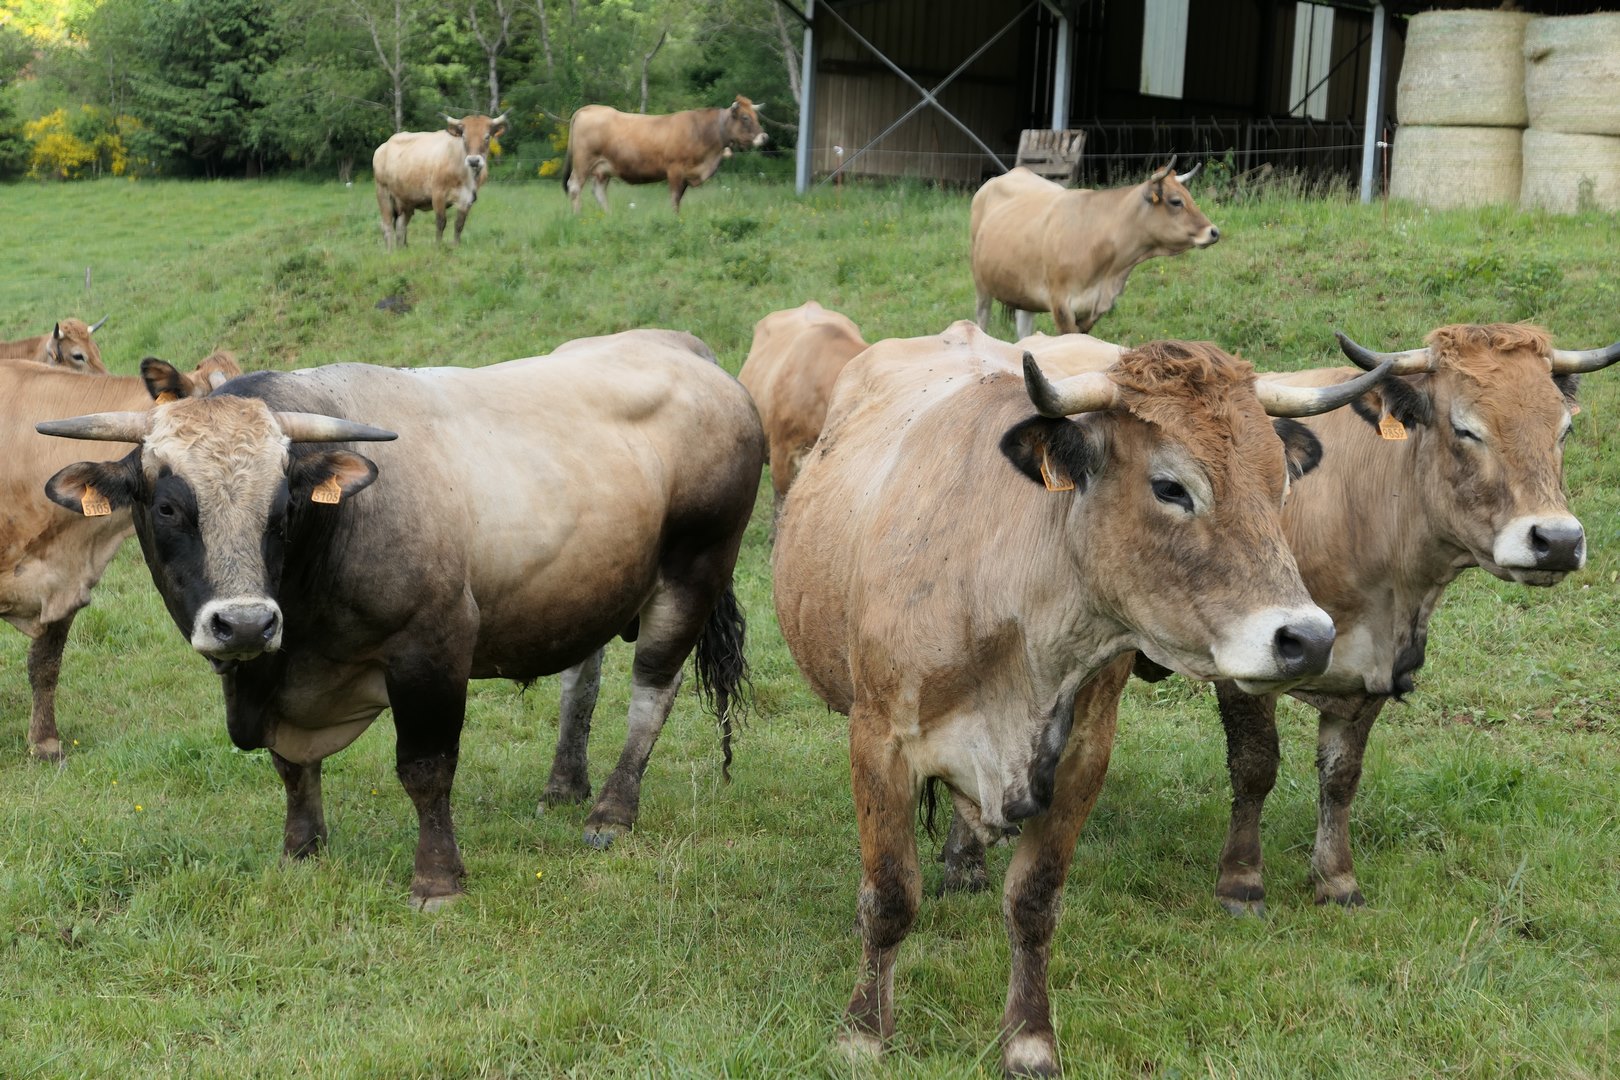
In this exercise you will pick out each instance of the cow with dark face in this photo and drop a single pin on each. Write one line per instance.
(416, 170)
(70, 345)
(964, 565)
(528, 513)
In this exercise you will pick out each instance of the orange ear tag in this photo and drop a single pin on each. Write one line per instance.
(1391, 429)
(166, 397)
(94, 503)
(328, 491)
(1053, 481)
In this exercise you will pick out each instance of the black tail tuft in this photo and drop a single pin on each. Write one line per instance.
(928, 807)
(722, 669)
(567, 166)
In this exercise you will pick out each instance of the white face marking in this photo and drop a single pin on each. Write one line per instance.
(1515, 544)
(1250, 651)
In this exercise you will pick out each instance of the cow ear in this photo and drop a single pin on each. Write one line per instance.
(329, 477)
(1397, 398)
(455, 127)
(1301, 448)
(163, 381)
(1053, 453)
(1569, 386)
(96, 488)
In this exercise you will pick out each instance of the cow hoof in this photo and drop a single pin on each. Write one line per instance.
(1242, 909)
(562, 795)
(859, 1046)
(429, 904)
(1351, 899)
(1029, 1055)
(601, 836)
(306, 849)
(48, 750)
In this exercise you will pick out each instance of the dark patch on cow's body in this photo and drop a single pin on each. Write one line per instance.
(1407, 662)
(1049, 746)
(1148, 671)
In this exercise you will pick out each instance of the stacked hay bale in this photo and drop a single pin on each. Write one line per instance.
(1572, 94)
(1460, 103)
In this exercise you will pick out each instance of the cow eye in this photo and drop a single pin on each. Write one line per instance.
(1175, 200)
(1173, 494)
(1464, 434)
(166, 511)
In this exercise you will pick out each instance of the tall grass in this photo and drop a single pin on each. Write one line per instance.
(147, 926)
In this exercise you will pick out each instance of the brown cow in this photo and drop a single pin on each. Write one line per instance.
(1037, 246)
(70, 344)
(795, 359)
(683, 148)
(964, 573)
(418, 169)
(51, 559)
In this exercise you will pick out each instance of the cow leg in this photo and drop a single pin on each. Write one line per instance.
(599, 189)
(1023, 322)
(385, 206)
(1251, 759)
(1033, 894)
(1340, 743)
(963, 853)
(430, 705)
(891, 884)
(439, 219)
(402, 223)
(461, 221)
(305, 832)
(570, 771)
(1066, 323)
(44, 670)
(982, 302)
(677, 188)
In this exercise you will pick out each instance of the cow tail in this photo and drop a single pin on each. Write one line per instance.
(568, 164)
(722, 669)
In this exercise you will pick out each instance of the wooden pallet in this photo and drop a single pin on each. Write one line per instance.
(1052, 154)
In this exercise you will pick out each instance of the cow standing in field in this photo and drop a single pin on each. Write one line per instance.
(683, 149)
(529, 512)
(70, 345)
(790, 371)
(1037, 246)
(50, 559)
(964, 566)
(415, 170)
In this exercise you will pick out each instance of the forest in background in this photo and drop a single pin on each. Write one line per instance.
(221, 88)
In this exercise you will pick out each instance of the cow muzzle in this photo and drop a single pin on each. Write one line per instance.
(1276, 648)
(475, 163)
(1538, 550)
(760, 140)
(1207, 238)
(241, 628)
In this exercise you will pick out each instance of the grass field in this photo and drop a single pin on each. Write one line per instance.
(147, 926)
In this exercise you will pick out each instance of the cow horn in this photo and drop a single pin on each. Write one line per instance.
(449, 119)
(313, 427)
(1280, 399)
(1573, 362)
(501, 119)
(100, 324)
(1089, 392)
(217, 379)
(1410, 362)
(1190, 173)
(130, 427)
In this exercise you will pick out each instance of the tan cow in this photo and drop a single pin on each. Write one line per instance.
(50, 559)
(965, 563)
(415, 170)
(683, 149)
(70, 344)
(1037, 246)
(795, 359)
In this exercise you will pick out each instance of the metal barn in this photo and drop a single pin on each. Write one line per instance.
(942, 89)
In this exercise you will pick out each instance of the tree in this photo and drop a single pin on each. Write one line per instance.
(493, 32)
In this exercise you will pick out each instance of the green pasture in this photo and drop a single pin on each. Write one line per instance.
(148, 927)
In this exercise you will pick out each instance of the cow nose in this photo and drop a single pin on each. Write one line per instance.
(1214, 234)
(475, 163)
(1557, 545)
(244, 629)
(1303, 648)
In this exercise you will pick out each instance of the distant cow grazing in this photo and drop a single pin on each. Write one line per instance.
(415, 170)
(683, 149)
(529, 512)
(70, 345)
(1037, 246)
(964, 566)
(795, 359)
(50, 559)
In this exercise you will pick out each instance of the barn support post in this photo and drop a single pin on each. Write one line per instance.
(802, 163)
(1062, 74)
(1375, 104)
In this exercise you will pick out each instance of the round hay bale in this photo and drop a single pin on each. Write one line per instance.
(1572, 74)
(1566, 173)
(1455, 166)
(1463, 68)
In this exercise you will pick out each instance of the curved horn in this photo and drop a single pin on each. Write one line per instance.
(1280, 399)
(1573, 362)
(1410, 362)
(99, 325)
(501, 119)
(217, 379)
(130, 427)
(1190, 173)
(1077, 394)
(313, 427)
(449, 119)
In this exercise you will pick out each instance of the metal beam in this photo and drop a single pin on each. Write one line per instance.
(1375, 104)
(802, 16)
(807, 102)
(1062, 75)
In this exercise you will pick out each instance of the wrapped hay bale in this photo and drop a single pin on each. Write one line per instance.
(1455, 166)
(1572, 74)
(1566, 173)
(1463, 68)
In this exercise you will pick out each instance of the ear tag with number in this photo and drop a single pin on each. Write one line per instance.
(328, 491)
(1391, 428)
(166, 397)
(1053, 480)
(94, 503)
